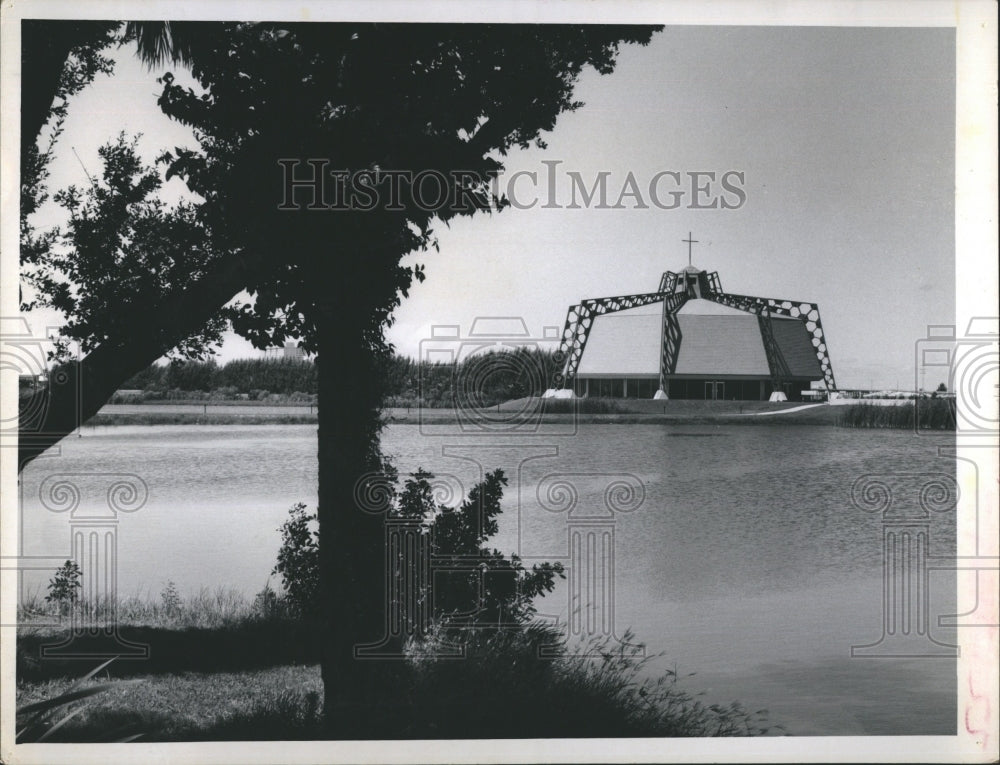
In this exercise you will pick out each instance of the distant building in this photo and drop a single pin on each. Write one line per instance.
(691, 340)
(290, 350)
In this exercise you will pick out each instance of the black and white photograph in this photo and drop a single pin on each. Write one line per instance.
(499, 382)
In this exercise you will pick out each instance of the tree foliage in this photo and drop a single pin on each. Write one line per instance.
(59, 60)
(400, 97)
(475, 586)
(449, 98)
(123, 248)
(497, 590)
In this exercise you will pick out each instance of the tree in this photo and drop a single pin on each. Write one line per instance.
(368, 98)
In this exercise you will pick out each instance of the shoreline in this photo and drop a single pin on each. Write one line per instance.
(527, 415)
(506, 420)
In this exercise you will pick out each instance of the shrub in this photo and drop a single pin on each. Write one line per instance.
(267, 604)
(499, 591)
(582, 406)
(64, 587)
(225, 393)
(298, 561)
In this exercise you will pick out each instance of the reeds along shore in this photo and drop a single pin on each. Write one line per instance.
(923, 414)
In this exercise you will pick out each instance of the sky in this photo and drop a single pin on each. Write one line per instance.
(844, 138)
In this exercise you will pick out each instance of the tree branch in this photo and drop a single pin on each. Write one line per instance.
(76, 391)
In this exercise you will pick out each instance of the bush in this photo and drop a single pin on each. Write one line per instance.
(226, 393)
(64, 587)
(582, 406)
(298, 562)
(268, 605)
(499, 591)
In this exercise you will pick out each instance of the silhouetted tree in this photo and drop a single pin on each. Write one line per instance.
(408, 98)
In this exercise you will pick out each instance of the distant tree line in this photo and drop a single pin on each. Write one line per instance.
(250, 378)
(479, 380)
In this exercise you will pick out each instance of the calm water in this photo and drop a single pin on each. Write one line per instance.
(738, 551)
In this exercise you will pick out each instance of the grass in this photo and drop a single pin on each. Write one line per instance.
(529, 412)
(596, 412)
(594, 689)
(185, 418)
(581, 405)
(39, 720)
(277, 703)
(222, 668)
(206, 609)
(504, 689)
(211, 630)
(927, 414)
(119, 400)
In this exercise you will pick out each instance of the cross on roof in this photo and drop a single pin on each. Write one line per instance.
(689, 241)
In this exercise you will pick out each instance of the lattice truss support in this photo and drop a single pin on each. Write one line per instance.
(807, 313)
(776, 363)
(670, 342)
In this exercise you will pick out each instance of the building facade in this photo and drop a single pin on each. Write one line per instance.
(692, 340)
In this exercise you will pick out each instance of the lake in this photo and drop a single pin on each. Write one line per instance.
(739, 553)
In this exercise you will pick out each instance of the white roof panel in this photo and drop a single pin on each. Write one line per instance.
(624, 343)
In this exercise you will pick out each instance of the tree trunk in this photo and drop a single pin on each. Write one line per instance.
(351, 540)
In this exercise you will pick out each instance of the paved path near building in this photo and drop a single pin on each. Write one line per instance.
(785, 411)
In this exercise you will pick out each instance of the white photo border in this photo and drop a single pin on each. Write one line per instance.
(975, 22)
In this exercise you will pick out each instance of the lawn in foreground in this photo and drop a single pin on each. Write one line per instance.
(278, 703)
(505, 688)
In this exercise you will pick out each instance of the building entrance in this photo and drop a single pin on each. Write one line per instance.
(715, 389)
